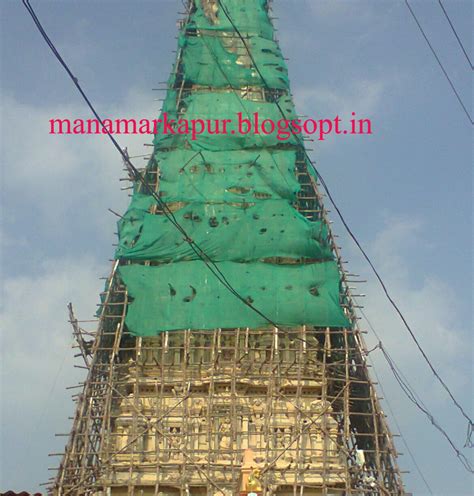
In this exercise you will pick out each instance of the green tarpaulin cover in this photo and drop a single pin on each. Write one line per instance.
(186, 295)
(234, 194)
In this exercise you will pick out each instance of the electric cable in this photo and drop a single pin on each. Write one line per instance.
(411, 394)
(418, 402)
(211, 265)
(352, 235)
(456, 34)
(439, 62)
(402, 436)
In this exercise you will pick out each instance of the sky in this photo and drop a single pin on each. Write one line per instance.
(405, 191)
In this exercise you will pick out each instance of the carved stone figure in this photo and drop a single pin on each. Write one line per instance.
(225, 439)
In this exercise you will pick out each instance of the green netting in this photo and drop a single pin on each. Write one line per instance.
(234, 194)
(231, 177)
(239, 232)
(234, 67)
(186, 295)
(250, 16)
(226, 105)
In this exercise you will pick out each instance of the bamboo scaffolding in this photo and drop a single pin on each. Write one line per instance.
(194, 412)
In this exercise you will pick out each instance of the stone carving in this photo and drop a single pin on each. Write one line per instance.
(225, 439)
(287, 434)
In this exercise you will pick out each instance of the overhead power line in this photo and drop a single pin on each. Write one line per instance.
(439, 62)
(352, 235)
(456, 34)
(412, 395)
(397, 425)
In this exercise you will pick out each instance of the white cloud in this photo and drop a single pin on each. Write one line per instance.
(61, 182)
(60, 174)
(362, 97)
(34, 317)
(37, 360)
(430, 307)
(369, 16)
(429, 304)
(337, 10)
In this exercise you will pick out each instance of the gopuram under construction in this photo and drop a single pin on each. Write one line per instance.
(227, 359)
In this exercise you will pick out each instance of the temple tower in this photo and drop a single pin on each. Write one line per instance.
(227, 359)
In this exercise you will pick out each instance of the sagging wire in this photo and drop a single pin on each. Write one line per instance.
(412, 395)
(395, 421)
(351, 234)
(456, 34)
(439, 62)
